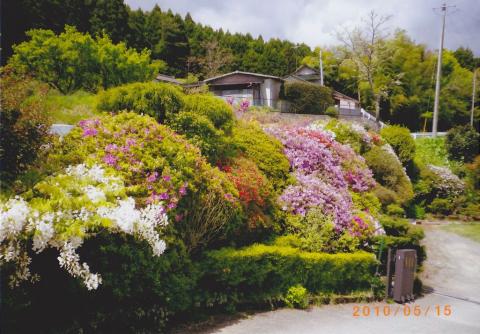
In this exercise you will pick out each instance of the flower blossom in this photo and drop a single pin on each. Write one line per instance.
(110, 159)
(13, 217)
(152, 177)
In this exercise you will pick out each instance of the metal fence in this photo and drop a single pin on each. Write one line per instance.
(349, 112)
(416, 135)
(358, 114)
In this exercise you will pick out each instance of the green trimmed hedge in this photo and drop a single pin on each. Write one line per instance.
(307, 98)
(400, 234)
(261, 273)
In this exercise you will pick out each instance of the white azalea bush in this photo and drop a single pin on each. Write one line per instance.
(446, 183)
(64, 210)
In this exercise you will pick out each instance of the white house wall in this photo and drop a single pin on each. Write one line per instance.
(270, 91)
(347, 104)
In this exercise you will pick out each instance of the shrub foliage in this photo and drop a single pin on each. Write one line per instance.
(462, 143)
(24, 124)
(262, 273)
(158, 100)
(401, 141)
(388, 171)
(307, 98)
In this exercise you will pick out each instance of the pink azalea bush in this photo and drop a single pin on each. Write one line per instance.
(326, 172)
(313, 192)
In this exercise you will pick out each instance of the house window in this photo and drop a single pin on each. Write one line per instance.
(238, 93)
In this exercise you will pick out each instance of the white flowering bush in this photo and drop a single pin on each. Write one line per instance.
(447, 184)
(319, 126)
(63, 210)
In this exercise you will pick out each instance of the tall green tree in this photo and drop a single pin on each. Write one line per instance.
(94, 16)
(466, 58)
(73, 60)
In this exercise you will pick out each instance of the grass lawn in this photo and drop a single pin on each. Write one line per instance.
(69, 109)
(468, 230)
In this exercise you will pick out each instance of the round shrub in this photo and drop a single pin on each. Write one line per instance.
(255, 194)
(207, 121)
(158, 100)
(401, 141)
(366, 201)
(332, 112)
(438, 182)
(385, 196)
(296, 297)
(400, 234)
(471, 210)
(316, 232)
(462, 143)
(388, 171)
(307, 98)
(146, 291)
(24, 125)
(473, 172)
(215, 109)
(200, 131)
(346, 133)
(441, 206)
(395, 210)
(265, 151)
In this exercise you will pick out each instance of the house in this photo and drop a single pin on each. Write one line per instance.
(306, 73)
(259, 89)
(264, 90)
(344, 103)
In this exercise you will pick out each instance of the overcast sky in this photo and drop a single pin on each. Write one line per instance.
(314, 22)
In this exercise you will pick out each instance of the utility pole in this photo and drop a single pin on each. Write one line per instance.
(439, 73)
(473, 96)
(321, 68)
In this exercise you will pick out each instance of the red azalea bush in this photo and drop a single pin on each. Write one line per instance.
(255, 192)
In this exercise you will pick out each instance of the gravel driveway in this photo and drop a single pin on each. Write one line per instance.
(453, 264)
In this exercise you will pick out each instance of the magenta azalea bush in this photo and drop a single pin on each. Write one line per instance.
(326, 171)
(156, 165)
(313, 192)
